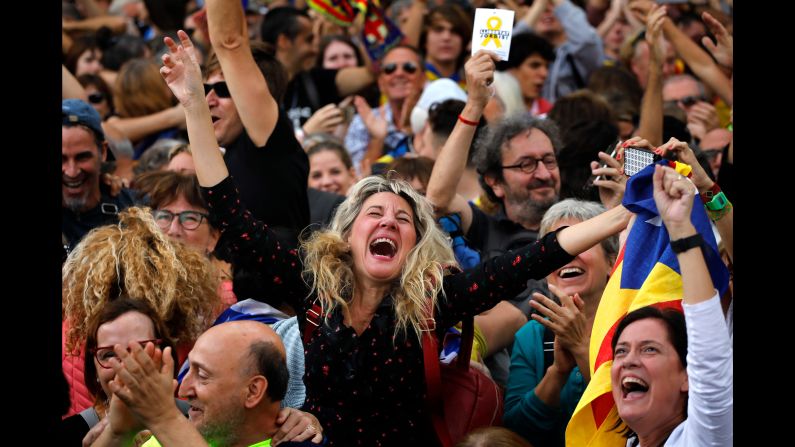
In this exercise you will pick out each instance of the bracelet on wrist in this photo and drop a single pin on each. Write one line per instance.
(709, 194)
(686, 243)
(466, 121)
(718, 202)
(721, 213)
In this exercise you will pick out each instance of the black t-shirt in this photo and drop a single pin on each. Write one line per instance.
(272, 179)
(322, 206)
(307, 92)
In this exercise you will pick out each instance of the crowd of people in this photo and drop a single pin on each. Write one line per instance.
(265, 203)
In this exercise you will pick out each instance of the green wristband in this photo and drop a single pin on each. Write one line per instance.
(718, 202)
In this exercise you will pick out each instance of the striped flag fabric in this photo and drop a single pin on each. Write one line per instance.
(646, 273)
(379, 34)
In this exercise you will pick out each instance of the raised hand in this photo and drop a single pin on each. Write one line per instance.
(686, 155)
(613, 182)
(724, 50)
(673, 194)
(654, 22)
(325, 119)
(296, 425)
(702, 117)
(479, 71)
(181, 70)
(121, 422)
(562, 358)
(115, 182)
(641, 8)
(146, 384)
(567, 320)
(376, 125)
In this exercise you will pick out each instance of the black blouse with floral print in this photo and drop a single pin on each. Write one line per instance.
(369, 389)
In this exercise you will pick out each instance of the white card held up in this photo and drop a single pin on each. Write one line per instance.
(492, 31)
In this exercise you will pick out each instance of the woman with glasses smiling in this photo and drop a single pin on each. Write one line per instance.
(119, 322)
(181, 213)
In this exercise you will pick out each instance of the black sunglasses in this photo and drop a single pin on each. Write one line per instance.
(96, 98)
(688, 101)
(408, 67)
(220, 89)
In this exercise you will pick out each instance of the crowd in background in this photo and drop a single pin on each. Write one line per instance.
(266, 201)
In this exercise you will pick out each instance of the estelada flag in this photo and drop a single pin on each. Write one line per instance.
(646, 273)
(378, 34)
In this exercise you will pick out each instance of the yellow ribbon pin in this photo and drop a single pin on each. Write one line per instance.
(493, 36)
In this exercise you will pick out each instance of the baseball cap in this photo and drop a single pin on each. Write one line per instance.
(76, 111)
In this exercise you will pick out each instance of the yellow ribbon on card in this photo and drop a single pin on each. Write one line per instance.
(493, 36)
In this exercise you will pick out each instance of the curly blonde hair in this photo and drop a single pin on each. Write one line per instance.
(137, 259)
(329, 265)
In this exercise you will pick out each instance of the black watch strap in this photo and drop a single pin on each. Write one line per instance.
(685, 244)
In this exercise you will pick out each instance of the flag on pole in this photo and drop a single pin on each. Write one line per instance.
(646, 273)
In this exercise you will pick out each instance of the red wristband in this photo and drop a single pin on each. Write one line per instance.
(466, 121)
(707, 196)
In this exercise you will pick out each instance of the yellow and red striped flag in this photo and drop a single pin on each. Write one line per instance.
(646, 273)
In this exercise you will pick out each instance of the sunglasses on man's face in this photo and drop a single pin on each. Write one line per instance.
(408, 67)
(96, 98)
(688, 101)
(220, 89)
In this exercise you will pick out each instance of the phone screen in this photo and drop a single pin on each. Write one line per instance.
(635, 159)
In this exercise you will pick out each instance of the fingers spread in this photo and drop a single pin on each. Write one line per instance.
(184, 39)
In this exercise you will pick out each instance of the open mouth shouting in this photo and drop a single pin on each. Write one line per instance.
(383, 248)
(570, 272)
(633, 388)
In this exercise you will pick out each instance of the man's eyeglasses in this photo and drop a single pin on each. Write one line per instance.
(408, 67)
(190, 220)
(104, 354)
(220, 89)
(96, 98)
(529, 165)
(688, 101)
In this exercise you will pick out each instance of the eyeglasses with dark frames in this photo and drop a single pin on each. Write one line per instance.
(190, 220)
(529, 165)
(104, 354)
(408, 67)
(220, 89)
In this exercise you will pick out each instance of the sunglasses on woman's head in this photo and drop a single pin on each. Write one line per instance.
(220, 89)
(408, 67)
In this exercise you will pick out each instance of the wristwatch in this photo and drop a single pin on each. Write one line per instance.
(685, 244)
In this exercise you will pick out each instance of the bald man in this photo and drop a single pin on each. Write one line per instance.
(237, 379)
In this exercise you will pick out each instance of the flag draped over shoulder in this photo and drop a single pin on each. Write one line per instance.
(378, 34)
(646, 273)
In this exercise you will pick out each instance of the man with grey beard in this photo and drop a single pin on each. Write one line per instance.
(86, 201)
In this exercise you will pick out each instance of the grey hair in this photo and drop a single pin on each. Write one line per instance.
(686, 77)
(580, 210)
(157, 155)
(491, 144)
(509, 93)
